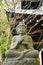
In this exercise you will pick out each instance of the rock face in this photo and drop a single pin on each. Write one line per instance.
(21, 51)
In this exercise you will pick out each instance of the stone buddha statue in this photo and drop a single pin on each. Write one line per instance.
(22, 48)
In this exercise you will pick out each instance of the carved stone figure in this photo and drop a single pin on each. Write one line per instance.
(21, 51)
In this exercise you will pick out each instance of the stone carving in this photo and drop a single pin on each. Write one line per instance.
(21, 51)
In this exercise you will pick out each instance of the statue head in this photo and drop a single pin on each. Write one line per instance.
(21, 28)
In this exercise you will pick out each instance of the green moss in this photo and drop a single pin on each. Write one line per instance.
(3, 44)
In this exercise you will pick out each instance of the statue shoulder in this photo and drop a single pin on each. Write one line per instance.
(28, 36)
